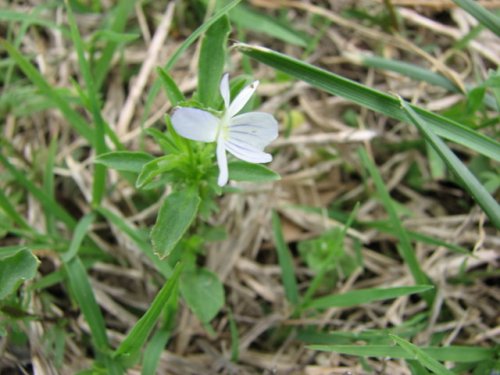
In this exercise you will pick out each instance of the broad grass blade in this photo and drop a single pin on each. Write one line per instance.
(370, 98)
(469, 181)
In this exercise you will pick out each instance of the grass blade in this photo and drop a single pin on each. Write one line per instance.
(471, 184)
(464, 354)
(360, 297)
(82, 291)
(173, 92)
(122, 10)
(183, 47)
(137, 337)
(286, 262)
(250, 19)
(139, 240)
(409, 70)
(405, 248)
(73, 117)
(99, 182)
(370, 98)
(47, 202)
(486, 18)
(421, 356)
(78, 236)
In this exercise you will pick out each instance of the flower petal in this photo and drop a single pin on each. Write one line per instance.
(222, 163)
(247, 152)
(224, 90)
(257, 129)
(195, 124)
(242, 98)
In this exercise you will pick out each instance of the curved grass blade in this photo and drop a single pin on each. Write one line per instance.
(78, 236)
(421, 356)
(286, 263)
(471, 184)
(405, 248)
(486, 18)
(362, 296)
(138, 335)
(73, 117)
(464, 354)
(82, 291)
(45, 200)
(370, 98)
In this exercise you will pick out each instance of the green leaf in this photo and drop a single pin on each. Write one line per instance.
(211, 61)
(156, 167)
(175, 216)
(73, 117)
(115, 37)
(470, 182)
(16, 269)
(182, 48)
(138, 238)
(286, 263)
(486, 18)
(421, 356)
(173, 92)
(99, 175)
(363, 296)
(158, 342)
(118, 22)
(203, 292)
(127, 161)
(81, 288)
(138, 335)
(250, 19)
(450, 353)
(78, 236)
(45, 200)
(409, 70)
(405, 247)
(371, 98)
(243, 171)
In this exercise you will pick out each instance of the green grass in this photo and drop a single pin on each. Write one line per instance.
(226, 273)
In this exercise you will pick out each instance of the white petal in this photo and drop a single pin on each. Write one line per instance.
(247, 152)
(224, 90)
(242, 98)
(254, 128)
(195, 124)
(222, 162)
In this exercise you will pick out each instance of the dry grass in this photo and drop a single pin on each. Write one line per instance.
(466, 311)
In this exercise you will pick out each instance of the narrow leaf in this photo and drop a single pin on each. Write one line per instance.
(488, 19)
(405, 247)
(173, 92)
(363, 296)
(82, 291)
(451, 353)
(138, 335)
(73, 117)
(370, 98)
(421, 356)
(286, 262)
(470, 182)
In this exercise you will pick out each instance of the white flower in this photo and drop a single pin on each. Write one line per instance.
(244, 136)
